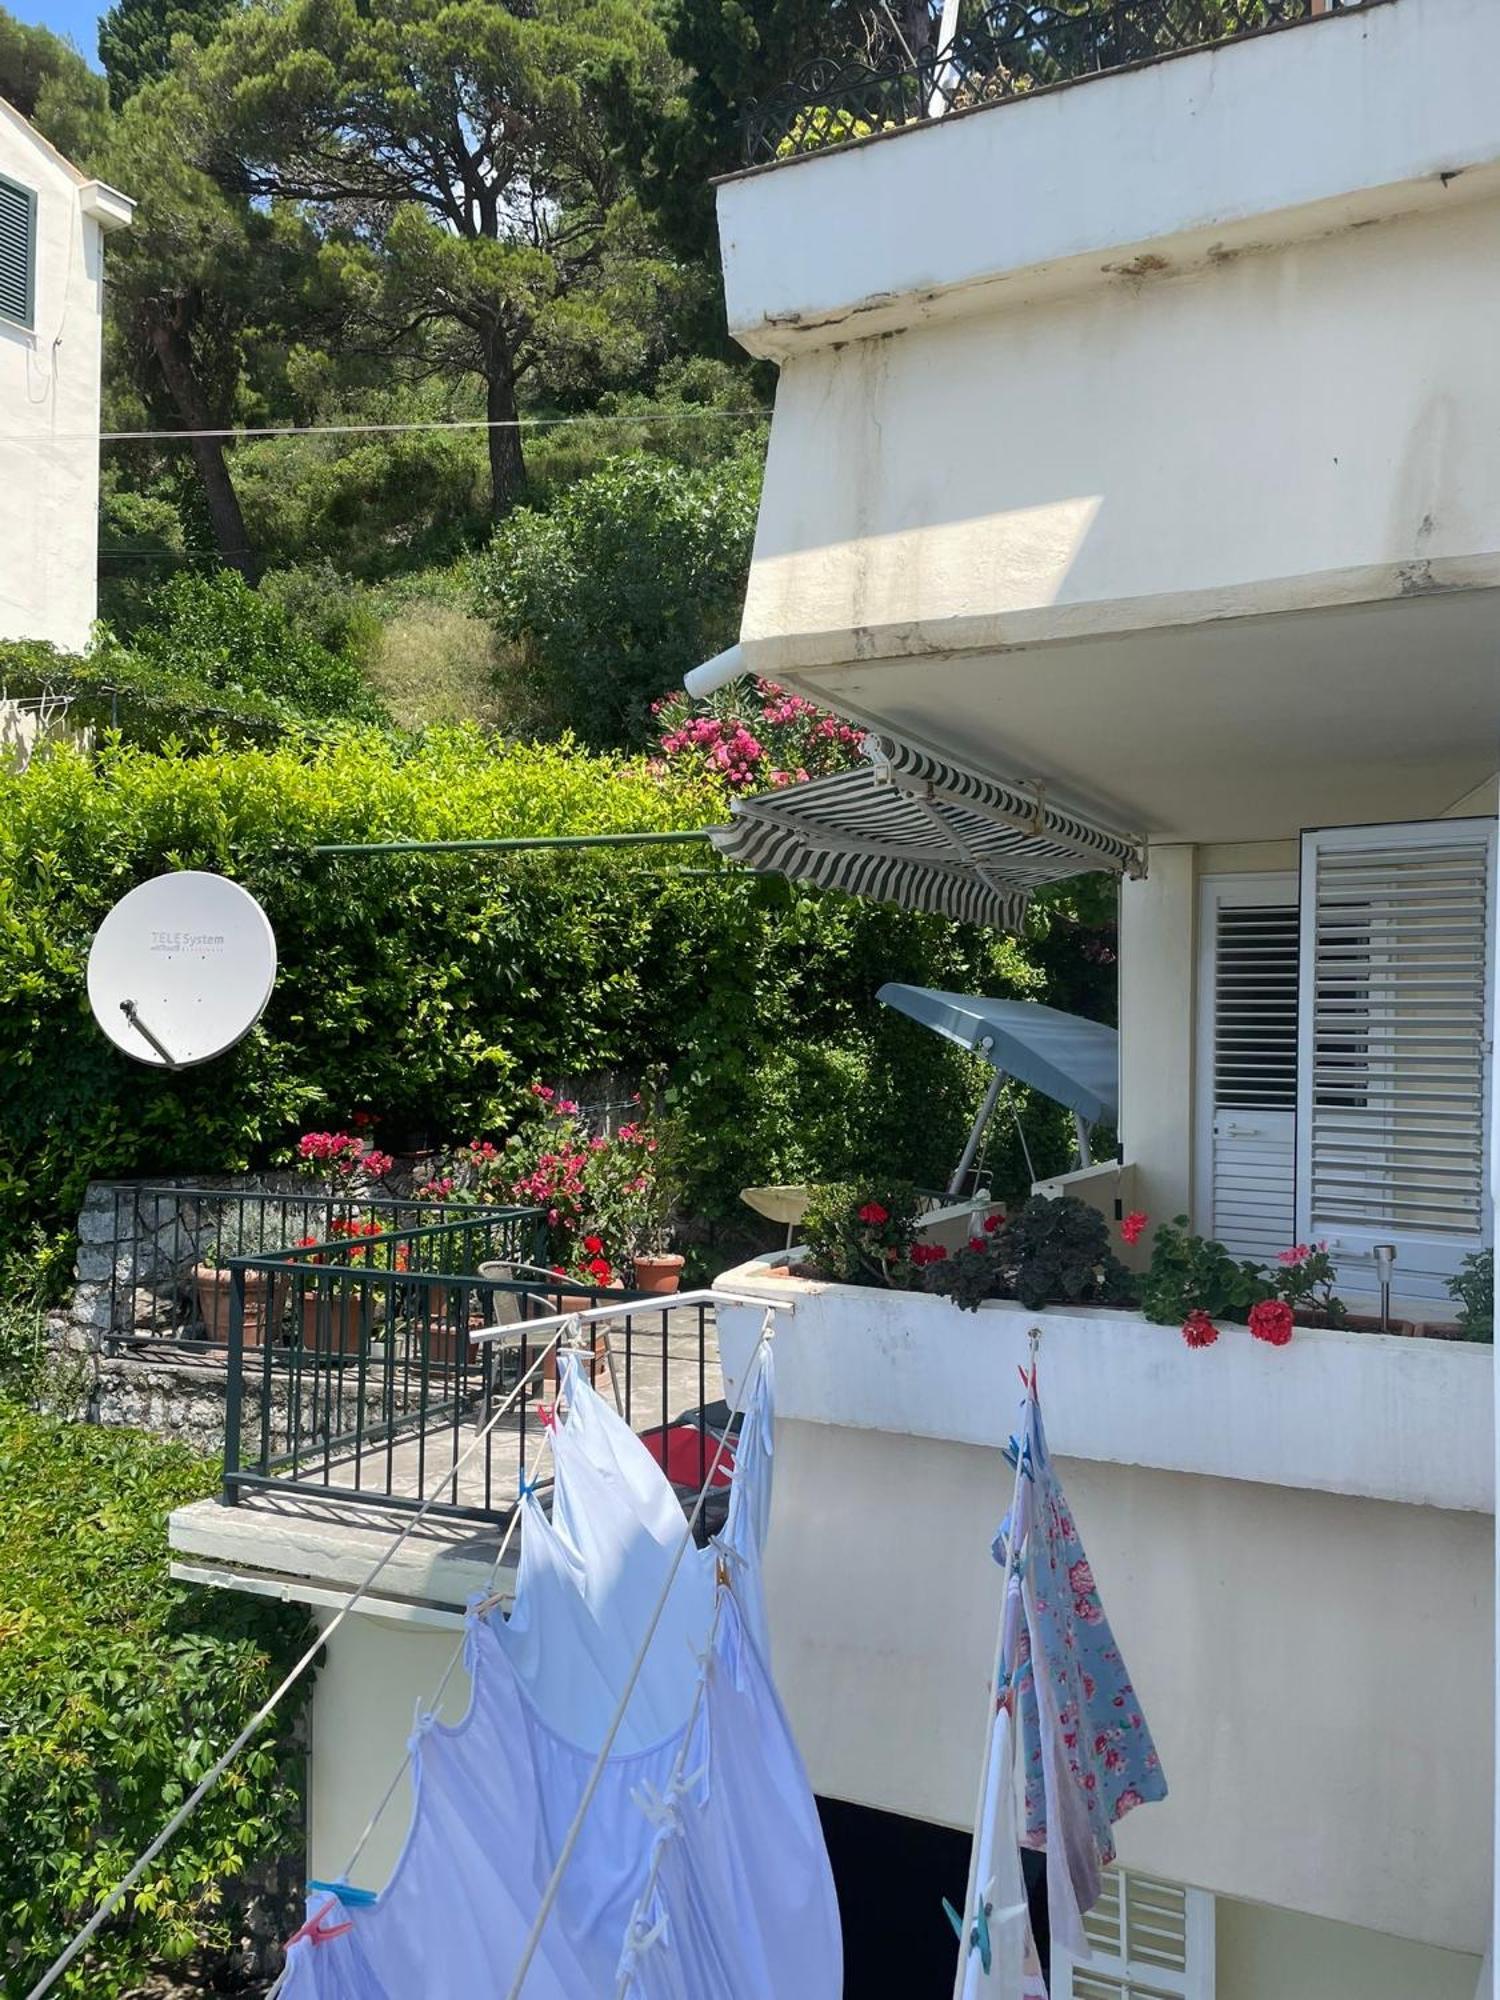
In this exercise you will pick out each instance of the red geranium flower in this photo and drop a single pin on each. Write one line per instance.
(593, 1244)
(927, 1253)
(1198, 1330)
(874, 1214)
(1271, 1321)
(993, 1222)
(1134, 1223)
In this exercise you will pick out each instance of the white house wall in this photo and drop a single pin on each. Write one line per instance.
(49, 410)
(1316, 1670)
(1356, 116)
(1281, 430)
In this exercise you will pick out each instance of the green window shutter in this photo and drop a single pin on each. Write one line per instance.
(17, 252)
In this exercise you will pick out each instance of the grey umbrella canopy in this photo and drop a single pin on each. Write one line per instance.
(1073, 1061)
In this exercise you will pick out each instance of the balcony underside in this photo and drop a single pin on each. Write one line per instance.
(1234, 729)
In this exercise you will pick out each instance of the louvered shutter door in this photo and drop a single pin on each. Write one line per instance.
(17, 251)
(1248, 1063)
(1396, 1028)
(1149, 1940)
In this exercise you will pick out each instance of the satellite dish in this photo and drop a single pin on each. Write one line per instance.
(181, 968)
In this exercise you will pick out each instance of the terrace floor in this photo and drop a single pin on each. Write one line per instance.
(306, 1537)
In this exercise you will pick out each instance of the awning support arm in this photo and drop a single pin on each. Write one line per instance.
(976, 1133)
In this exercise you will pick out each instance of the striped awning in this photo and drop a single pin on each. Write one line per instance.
(920, 831)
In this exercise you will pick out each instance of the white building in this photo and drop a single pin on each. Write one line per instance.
(1134, 440)
(53, 222)
(1135, 446)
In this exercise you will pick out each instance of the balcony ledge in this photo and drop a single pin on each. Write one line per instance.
(1377, 1416)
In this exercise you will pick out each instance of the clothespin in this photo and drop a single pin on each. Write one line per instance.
(546, 1416)
(979, 1936)
(317, 1929)
(347, 1894)
(526, 1487)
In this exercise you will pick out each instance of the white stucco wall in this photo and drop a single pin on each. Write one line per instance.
(1316, 1669)
(1263, 1953)
(49, 406)
(1285, 429)
(376, 1674)
(1251, 142)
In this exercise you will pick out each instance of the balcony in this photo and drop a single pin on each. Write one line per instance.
(1380, 1416)
(1011, 52)
(356, 1393)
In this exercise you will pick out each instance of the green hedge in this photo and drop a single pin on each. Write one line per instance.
(118, 1688)
(431, 989)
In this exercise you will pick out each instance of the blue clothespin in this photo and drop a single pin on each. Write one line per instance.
(979, 1936)
(348, 1895)
(1013, 1451)
(527, 1487)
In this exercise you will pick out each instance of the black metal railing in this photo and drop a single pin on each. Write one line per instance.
(1010, 49)
(163, 1264)
(354, 1377)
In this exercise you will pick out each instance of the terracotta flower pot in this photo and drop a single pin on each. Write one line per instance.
(213, 1288)
(659, 1271)
(333, 1322)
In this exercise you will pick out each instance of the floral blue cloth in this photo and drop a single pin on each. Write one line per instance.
(1066, 1637)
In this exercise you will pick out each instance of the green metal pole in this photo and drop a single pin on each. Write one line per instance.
(517, 846)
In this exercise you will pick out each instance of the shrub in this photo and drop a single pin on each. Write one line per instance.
(1192, 1275)
(1051, 1252)
(118, 1688)
(431, 987)
(862, 1232)
(110, 689)
(216, 630)
(636, 575)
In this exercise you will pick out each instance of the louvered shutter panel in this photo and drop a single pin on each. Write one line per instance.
(1148, 1939)
(17, 251)
(1248, 1063)
(1396, 1028)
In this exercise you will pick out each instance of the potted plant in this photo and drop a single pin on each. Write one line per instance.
(213, 1282)
(343, 1306)
(1054, 1251)
(858, 1233)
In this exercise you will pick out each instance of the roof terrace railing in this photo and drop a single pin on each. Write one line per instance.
(1013, 48)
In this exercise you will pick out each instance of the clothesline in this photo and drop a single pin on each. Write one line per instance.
(211, 1777)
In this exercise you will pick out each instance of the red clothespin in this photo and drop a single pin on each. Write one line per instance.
(317, 1930)
(546, 1415)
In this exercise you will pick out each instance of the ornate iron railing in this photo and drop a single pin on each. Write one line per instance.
(354, 1379)
(1012, 48)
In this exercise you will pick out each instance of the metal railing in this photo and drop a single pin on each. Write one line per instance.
(353, 1374)
(165, 1262)
(1010, 49)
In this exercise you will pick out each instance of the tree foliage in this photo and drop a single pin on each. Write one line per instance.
(468, 144)
(115, 1697)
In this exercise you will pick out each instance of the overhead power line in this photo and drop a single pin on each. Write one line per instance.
(245, 433)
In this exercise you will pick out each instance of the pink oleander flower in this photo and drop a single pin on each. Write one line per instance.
(1133, 1225)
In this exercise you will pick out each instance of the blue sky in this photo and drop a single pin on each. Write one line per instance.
(77, 19)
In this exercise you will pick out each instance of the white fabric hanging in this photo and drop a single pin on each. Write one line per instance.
(708, 1778)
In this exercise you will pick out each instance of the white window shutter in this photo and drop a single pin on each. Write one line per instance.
(1149, 1940)
(1396, 1025)
(1247, 1063)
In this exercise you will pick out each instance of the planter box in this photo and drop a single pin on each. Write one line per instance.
(1379, 1415)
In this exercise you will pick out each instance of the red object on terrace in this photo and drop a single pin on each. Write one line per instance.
(686, 1454)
